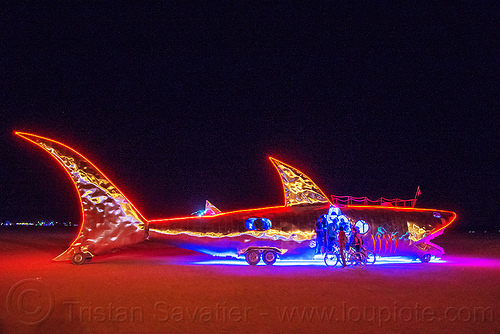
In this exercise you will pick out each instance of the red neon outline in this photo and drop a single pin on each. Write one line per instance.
(379, 244)
(396, 241)
(163, 220)
(291, 167)
(374, 244)
(159, 220)
(406, 209)
(24, 134)
(393, 208)
(390, 243)
(445, 226)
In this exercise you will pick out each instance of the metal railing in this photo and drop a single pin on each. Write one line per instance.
(351, 200)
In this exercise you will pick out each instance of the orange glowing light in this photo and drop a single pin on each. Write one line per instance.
(407, 209)
(314, 187)
(163, 220)
(303, 191)
(82, 214)
(156, 220)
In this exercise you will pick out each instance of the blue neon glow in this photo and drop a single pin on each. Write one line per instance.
(362, 226)
(258, 224)
(336, 218)
(199, 213)
(318, 262)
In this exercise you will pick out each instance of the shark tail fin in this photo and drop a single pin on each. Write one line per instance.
(109, 219)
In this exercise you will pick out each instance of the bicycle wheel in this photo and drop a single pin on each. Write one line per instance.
(358, 260)
(331, 259)
(370, 257)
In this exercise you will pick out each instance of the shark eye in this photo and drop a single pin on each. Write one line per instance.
(258, 224)
(436, 215)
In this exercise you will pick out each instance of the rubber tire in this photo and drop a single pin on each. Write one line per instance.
(88, 258)
(269, 257)
(252, 257)
(425, 258)
(79, 258)
(370, 257)
(331, 259)
(358, 260)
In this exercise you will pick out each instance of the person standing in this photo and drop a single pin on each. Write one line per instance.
(320, 234)
(357, 240)
(330, 230)
(342, 240)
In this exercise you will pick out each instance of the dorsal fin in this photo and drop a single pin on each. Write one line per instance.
(211, 209)
(297, 186)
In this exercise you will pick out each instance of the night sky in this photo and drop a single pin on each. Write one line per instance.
(181, 103)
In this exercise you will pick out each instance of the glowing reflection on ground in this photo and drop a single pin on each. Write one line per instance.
(315, 262)
(473, 262)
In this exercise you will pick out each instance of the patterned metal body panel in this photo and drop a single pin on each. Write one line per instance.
(400, 231)
(109, 220)
(292, 231)
(391, 231)
(298, 187)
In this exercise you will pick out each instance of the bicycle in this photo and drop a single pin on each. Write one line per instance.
(333, 257)
(370, 255)
(353, 258)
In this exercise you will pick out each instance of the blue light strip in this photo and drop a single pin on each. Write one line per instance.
(318, 262)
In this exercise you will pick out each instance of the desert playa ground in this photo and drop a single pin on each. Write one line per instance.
(153, 288)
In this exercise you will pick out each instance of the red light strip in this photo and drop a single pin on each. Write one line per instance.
(27, 135)
(406, 209)
(82, 214)
(445, 226)
(24, 135)
(293, 168)
(394, 208)
(163, 220)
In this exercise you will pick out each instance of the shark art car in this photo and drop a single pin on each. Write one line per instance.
(110, 221)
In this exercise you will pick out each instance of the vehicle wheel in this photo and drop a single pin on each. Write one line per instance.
(331, 259)
(88, 257)
(358, 260)
(269, 257)
(252, 257)
(425, 258)
(370, 257)
(78, 258)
